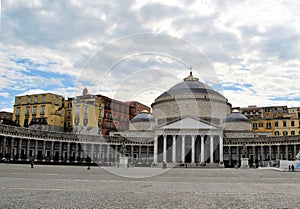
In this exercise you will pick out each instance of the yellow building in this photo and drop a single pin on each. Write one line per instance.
(88, 113)
(263, 125)
(286, 127)
(278, 126)
(278, 120)
(43, 110)
(288, 124)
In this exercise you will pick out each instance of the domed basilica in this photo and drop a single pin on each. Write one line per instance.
(188, 124)
(191, 125)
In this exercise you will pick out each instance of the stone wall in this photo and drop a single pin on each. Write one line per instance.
(238, 125)
(141, 126)
(202, 108)
(238, 134)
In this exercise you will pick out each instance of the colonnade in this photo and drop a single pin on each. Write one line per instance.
(25, 149)
(188, 149)
(260, 154)
(170, 148)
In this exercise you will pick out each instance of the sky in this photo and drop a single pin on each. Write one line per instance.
(249, 51)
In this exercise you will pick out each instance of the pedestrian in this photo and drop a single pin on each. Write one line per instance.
(289, 167)
(293, 168)
(88, 168)
(31, 164)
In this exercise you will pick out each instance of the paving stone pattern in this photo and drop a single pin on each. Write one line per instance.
(76, 187)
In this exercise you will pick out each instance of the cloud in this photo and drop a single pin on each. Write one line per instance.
(249, 47)
(4, 94)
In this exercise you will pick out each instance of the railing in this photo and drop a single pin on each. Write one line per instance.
(60, 136)
(72, 136)
(263, 140)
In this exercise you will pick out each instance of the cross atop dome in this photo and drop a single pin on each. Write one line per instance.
(191, 77)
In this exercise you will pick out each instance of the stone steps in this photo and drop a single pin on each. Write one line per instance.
(190, 165)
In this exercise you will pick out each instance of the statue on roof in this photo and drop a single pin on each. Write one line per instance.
(191, 77)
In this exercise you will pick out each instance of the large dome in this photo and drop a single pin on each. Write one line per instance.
(191, 97)
(190, 85)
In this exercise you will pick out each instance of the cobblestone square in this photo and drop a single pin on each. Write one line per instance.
(76, 187)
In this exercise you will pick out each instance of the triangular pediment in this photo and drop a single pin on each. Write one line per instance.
(189, 123)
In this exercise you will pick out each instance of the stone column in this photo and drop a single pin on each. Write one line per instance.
(76, 153)
(278, 152)
(116, 153)
(295, 152)
(60, 152)
(165, 149)
(82, 153)
(183, 149)
(36, 150)
(270, 152)
(52, 151)
(211, 149)
(221, 149)
(230, 155)
(4, 147)
(44, 151)
(68, 151)
(193, 149)
(131, 151)
(27, 149)
(155, 150)
(108, 153)
(254, 156)
(286, 152)
(174, 149)
(202, 149)
(92, 152)
(140, 154)
(238, 155)
(262, 153)
(100, 153)
(147, 154)
(12, 149)
(20, 148)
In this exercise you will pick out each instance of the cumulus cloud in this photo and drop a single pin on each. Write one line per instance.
(250, 49)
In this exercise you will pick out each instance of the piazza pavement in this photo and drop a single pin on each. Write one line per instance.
(47, 186)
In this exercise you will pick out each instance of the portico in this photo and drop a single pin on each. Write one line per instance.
(188, 140)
